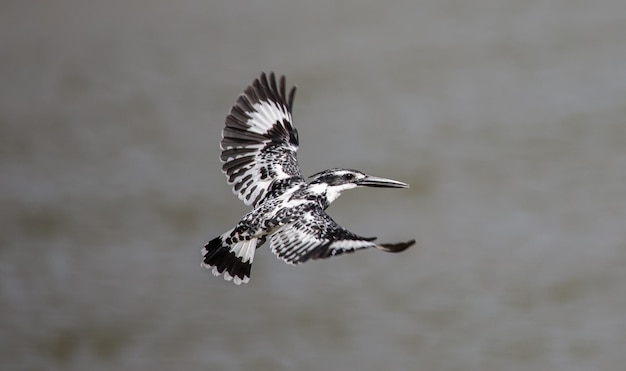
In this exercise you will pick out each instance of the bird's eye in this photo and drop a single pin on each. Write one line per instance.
(349, 176)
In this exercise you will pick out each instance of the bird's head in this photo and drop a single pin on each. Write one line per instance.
(334, 181)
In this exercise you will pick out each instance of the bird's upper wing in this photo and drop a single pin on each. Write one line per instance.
(317, 236)
(259, 142)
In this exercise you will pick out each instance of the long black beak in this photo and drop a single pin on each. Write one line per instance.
(374, 181)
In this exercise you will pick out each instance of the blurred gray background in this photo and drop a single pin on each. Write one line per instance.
(506, 117)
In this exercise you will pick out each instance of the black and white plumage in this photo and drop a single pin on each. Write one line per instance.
(259, 146)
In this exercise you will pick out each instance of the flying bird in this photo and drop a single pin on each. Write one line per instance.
(259, 145)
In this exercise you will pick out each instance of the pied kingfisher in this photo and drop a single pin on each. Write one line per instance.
(259, 145)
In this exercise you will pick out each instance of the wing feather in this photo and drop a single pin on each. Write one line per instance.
(259, 143)
(317, 236)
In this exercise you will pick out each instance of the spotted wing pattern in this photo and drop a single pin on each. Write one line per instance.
(317, 236)
(259, 142)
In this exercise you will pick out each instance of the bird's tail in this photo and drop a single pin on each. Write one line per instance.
(234, 260)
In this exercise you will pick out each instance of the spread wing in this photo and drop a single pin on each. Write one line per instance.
(259, 142)
(317, 236)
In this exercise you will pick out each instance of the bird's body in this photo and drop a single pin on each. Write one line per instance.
(259, 147)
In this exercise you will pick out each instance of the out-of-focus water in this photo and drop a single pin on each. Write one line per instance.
(507, 118)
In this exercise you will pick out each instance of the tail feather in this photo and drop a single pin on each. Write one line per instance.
(235, 261)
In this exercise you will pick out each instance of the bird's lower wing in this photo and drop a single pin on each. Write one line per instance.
(318, 236)
(259, 142)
